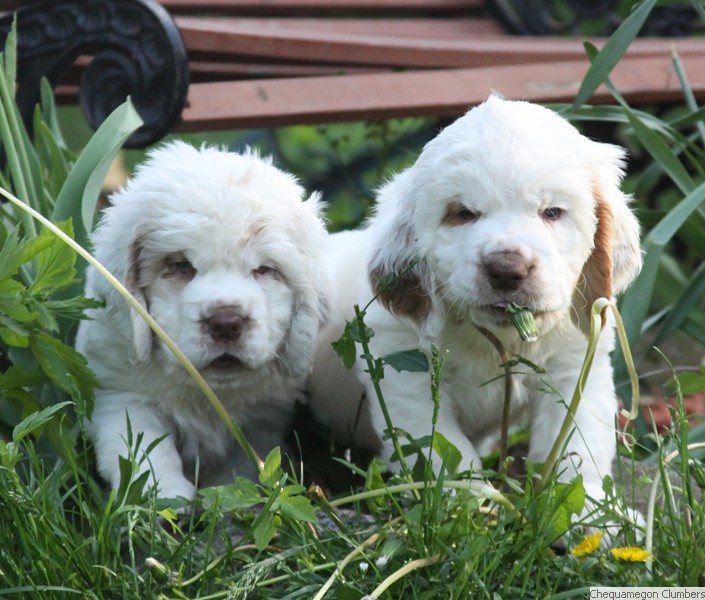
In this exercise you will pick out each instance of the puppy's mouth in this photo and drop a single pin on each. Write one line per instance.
(224, 363)
(497, 313)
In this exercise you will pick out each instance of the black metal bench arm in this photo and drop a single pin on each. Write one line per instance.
(137, 51)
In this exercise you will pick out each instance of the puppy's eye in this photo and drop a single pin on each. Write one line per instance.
(552, 213)
(266, 271)
(180, 268)
(459, 214)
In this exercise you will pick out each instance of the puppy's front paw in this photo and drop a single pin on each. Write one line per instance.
(176, 487)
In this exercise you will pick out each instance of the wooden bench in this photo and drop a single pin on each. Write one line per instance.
(249, 63)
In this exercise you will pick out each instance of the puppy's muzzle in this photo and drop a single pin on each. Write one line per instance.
(507, 271)
(226, 324)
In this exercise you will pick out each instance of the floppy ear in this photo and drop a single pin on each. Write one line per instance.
(398, 271)
(313, 299)
(616, 256)
(141, 332)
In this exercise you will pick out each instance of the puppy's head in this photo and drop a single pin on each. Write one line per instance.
(509, 204)
(223, 252)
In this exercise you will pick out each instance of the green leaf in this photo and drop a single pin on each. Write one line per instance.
(55, 262)
(568, 499)
(296, 507)
(79, 195)
(265, 530)
(689, 382)
(17, 376)
(67, 368)
(344, 347)
(413, 361)
(450, 455)
(612, 52)
(271, 471)
(241, 495)
(11, 254)
(36, 420)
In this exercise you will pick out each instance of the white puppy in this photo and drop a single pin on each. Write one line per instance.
(509, 204)
(221, 250)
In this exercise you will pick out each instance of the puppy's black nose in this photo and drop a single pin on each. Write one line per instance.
(506, 271)
(225, 324)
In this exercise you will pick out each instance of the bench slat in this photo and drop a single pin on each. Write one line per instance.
(319, 6)
(448, 92)
(219, 37)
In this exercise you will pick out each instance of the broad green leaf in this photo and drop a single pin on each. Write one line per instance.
(612, 52)
(298, 508)
(413, 361)
(67, 368)
(271, 471)
(265, 530)
(55, 263)
(17, 376)
(79, 195)
(241, 495)
(448, 452)
(568, 500)
(36, 421)
(12, 334)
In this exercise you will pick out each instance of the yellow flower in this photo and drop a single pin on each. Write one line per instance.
(589, 544)
(631, 554)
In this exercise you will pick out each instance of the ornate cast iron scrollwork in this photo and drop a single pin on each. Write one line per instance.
(594, 17)
(137, 51)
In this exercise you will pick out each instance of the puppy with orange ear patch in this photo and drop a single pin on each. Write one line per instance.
(508, 206)
(224, 253)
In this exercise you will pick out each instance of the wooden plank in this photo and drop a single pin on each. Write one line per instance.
(441, 28)
(216, 37)
(319, 6)
(448, 92)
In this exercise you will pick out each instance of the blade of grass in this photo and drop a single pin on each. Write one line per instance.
(612, 52)
(79, 194)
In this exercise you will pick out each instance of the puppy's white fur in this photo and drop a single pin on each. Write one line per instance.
(223, 252)
(509, 204)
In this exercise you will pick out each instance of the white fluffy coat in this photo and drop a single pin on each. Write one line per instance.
(510, 203)
(225, 254)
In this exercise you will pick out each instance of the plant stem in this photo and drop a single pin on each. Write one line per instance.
(372, 369)
(344, 563)
(407, 568)
(479, 488)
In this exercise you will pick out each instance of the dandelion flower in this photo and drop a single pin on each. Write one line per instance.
(631, 554)
(589, 544)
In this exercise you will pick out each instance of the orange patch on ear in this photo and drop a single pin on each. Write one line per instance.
(596, 279)
(402, 295)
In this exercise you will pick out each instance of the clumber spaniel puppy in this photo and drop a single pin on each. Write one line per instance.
(509, 204)
(223, 252)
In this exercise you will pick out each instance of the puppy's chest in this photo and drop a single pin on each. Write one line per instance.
(476, 390)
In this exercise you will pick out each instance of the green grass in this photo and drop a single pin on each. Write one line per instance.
(63, 535)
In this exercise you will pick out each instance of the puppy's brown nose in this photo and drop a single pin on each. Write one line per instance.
(225, 324)
(506, 271)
